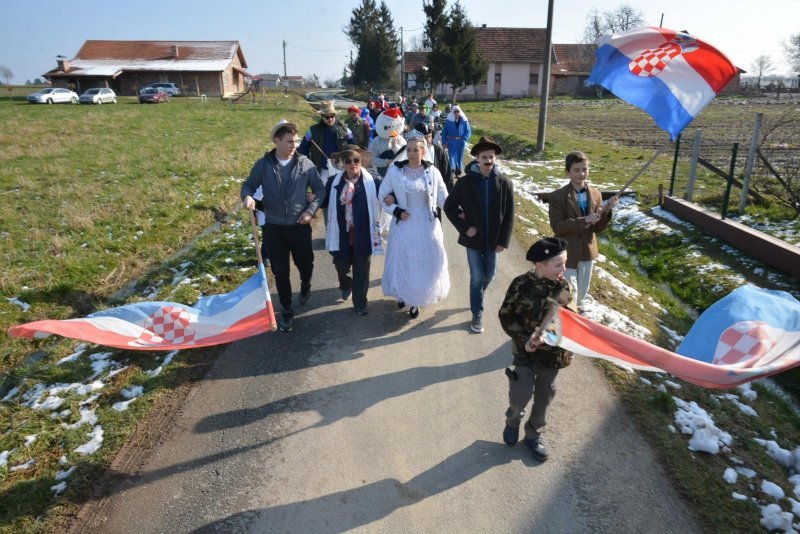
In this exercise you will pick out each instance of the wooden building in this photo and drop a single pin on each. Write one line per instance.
(211, 68)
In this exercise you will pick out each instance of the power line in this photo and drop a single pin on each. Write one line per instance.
(313, 50)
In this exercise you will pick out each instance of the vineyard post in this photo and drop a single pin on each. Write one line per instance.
(698, 137)
(751, 159)
(730, 180)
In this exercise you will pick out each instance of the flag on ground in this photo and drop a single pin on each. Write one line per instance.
(670, 75)
(749, 334)
(213, 320)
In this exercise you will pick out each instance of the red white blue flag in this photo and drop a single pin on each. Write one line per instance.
(213, 320)
(670, 75)
(751, 333)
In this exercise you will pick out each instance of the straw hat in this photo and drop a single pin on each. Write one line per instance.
(327, 108)
(280, 124)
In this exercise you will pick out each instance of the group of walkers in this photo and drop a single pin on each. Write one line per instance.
(294, 180)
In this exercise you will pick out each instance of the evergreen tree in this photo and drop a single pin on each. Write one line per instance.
(372, 32)
(466, 65)
(436, 24)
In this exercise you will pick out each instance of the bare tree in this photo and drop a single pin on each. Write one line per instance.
(417, 44)
(761, 65)
(623, 18)
(779, 172)
(792, 48)
(5, 74)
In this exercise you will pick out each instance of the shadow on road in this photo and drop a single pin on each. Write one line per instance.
(346, 510)
(357, 396)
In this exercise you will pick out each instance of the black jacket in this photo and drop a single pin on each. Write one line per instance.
(465, 200)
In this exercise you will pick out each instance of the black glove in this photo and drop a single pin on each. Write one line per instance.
(398, 211)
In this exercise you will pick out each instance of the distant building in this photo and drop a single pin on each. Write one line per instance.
(293, 81)
(212, 68)
(571, 66)
(270, 81)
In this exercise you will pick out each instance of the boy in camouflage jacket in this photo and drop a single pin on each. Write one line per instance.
(528, 300)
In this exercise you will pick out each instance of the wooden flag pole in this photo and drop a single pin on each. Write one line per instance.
(660, 150)
(253, 217)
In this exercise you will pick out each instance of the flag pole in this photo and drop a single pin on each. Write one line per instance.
(660, 150)
(253, 225)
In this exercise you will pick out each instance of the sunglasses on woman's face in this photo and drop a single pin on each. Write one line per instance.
(348, 161)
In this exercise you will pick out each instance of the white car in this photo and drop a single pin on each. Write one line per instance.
(53, 95)
(99, 95)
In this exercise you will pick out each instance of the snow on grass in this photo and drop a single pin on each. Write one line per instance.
(30, 440)
(91, 446)
(744, 408)
(4, 458)
(600, 313)
(11, 394)
(80, 349)
(167, 360)
(730, 476)
(693, 420)
(772, 489)
(738, 496)
(63, 475)
(22, 467)
(774, 518)
(88, 417)
(626, 290)
(786, 458)
(59, 488)
(15, 300)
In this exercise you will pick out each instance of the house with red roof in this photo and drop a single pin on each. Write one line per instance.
(212, 68)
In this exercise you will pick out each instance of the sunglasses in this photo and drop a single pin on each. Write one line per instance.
(329, 116)
(348, 161)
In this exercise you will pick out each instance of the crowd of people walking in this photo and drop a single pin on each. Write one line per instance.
(383, 182)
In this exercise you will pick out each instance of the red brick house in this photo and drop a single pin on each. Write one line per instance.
(212, 68)
(570, 69)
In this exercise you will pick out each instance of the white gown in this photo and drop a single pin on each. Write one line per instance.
(415, 270)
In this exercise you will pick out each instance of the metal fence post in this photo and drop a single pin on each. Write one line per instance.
(674, 164)
(730, 181)
(751, 159)
(698, 136)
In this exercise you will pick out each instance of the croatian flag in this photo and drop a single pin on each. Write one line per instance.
(670, 75)
(213, 320)
(751, 333)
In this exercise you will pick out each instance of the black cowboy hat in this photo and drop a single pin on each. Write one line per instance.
(486, 143)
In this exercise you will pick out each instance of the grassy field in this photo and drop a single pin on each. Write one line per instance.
(95, 198)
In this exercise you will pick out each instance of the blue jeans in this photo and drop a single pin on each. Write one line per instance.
(482, 266)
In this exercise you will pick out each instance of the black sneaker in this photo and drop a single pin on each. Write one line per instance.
(538, 450)
(345, 294)
(362, 311)
(305, 295)
(401, 304)
(286, 323)
(413, 312)
(511, 435)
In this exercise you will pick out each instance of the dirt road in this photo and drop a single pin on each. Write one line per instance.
(386, 424)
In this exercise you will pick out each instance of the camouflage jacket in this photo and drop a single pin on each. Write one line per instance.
(523, 310)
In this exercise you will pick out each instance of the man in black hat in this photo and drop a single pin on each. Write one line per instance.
(481, 207)
(530, 304)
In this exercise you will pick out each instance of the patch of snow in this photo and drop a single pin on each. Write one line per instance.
(626, 290)
(672, 384)
(774, 518)
(63, 475)
(747, 391)
(795, 507)
(30, 440)
(772, 489)
(24, 305)
(746, 472)
(23, 467)
(744, 408)
(600, 313)
(63, 460)
(88, 417)
(786, 458)
(157, 370)
(94, 443)
(645, 381)
(132, 392)
(80, 349)
(121, 406)
(11, 394)
(4, 458)
(730, 476)
(59, 488)
(695, 421)
(738, 496)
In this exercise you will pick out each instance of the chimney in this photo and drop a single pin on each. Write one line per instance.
(175, 52)
(63, 65)
(483, 25)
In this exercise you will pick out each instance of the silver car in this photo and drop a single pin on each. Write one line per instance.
(169, 87)
(99, 95)
(53, 95)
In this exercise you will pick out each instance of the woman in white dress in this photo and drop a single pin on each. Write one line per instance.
(415, 271)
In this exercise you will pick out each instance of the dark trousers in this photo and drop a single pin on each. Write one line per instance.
(538, 382)
(280, 242)
(359, 283)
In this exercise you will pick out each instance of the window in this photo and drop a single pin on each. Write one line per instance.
(225, 78)
(497, 78)
(534, 79)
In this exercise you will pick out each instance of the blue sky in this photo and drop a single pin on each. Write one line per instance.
(31, 35)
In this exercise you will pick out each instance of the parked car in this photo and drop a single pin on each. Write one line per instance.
(169, 87)
(153, 95)
(53, 95)
(99, 95)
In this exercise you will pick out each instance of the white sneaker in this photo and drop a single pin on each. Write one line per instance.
(476, 325)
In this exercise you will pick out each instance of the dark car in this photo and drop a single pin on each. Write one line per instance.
(153, 95)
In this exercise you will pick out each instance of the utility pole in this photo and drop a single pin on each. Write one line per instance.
(548, 45)
(402, 61)
(285, 79)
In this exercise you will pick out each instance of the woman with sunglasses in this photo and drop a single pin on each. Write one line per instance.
(415, 272)
(354, 223)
